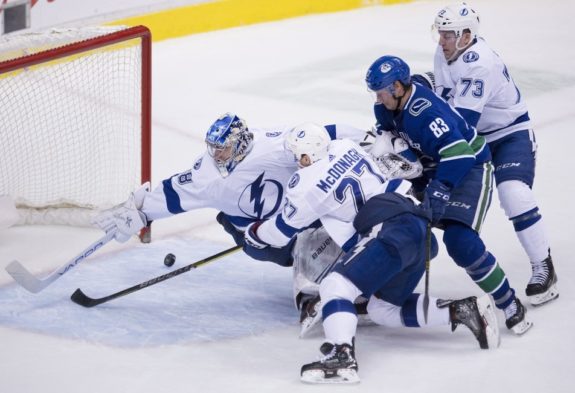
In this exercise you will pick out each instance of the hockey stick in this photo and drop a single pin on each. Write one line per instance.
(23, 277)
(82, 299)
(427, 263)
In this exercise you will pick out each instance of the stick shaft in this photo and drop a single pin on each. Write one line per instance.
(82, 299)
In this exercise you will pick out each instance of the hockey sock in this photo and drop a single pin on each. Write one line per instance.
(339, 321)
(467, 250)
(518, 202)
(412, 312)
(531, 233)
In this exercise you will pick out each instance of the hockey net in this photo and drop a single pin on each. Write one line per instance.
(75, 113)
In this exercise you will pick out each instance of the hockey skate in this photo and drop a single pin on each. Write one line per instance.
(310, 314)
(516, 318)
(337, 365)
(542, 287)
(479, 316)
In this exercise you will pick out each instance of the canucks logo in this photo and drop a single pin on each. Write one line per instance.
(418, 106)
(262, 198)
(385, 68)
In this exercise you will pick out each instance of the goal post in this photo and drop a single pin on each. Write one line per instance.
(75, 120)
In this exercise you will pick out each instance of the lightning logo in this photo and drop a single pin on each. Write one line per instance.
(262, 198)
(256, 195)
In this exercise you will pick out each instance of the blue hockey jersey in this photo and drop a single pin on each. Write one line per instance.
(437, 132)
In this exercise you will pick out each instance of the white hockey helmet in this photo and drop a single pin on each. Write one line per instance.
(457, 18)
(310, 139)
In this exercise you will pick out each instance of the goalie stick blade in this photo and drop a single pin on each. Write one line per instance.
(24, 278)
(80, 298)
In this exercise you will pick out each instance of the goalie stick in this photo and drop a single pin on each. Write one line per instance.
(82, 299)
(29, 282)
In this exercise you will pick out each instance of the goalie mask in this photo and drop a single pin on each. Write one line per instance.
(308, 139)
(228, 141)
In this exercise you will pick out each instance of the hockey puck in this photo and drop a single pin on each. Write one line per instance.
(169, 259)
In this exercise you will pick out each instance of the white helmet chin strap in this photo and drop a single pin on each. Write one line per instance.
(459, 50)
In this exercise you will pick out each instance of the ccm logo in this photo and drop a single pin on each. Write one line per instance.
(440, 195)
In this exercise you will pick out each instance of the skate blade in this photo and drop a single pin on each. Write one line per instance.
(522, 327)
(540, 299)
(310, 322)
(487, 310)
(344, 376)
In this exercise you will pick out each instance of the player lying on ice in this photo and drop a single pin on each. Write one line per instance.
(244, 175)
(384, 232)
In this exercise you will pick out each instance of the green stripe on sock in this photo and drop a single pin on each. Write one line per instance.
(492, 281)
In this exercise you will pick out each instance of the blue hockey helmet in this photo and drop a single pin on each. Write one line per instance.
(228, 141)
(385, 71)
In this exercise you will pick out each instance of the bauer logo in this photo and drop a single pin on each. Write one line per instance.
(185, 178)
(273, 134)
(198, 164)
(470, 57)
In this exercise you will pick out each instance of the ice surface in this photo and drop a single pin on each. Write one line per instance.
(230, 326)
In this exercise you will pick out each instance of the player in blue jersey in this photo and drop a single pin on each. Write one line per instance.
(460, 175)
(383, 230)
(474, 79)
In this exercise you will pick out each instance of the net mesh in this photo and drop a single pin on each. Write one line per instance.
(70, 128)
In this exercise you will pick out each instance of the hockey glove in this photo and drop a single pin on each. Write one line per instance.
(224, 221)
(368, 140)
(436, 197)
(125, 219)
(251, 237)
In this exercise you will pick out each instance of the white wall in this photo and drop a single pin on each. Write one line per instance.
(50, 13)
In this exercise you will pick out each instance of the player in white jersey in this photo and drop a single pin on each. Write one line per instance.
(474, 80)
(243, 174)
(383, 230)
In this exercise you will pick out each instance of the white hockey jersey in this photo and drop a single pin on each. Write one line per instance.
(477, 84)
(332, 189)
(254, 190)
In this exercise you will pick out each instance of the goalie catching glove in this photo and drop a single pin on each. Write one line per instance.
(392, 155)
(125, 219)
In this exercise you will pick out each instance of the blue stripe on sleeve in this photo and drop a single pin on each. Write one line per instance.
(471, 117)
(393, 185)
(285, 229)
(172, 198)
(331, 131)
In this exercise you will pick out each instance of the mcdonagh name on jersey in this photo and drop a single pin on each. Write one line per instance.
(338, 168)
